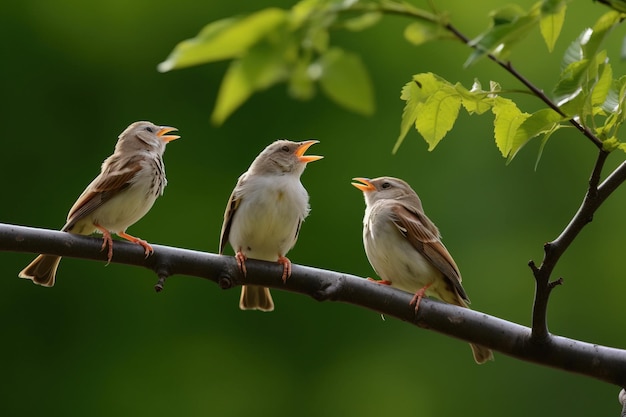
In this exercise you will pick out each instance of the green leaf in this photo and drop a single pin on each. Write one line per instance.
(581, 63)
(235, 89)
(415, 93)
(438, 114)
(611, 144)
(263, 66)
(544, 140)
(507, 121)
(301, 85)
(620, 86)
(574, 104)
(551, 22)
(614, 106)
(602, 86)
(509, 25)
(303, 11)
(600, 31)
(419, 33)
(224, 39)
(611, 104)
(475, 100)
(409, 114)
(574, 51)
(345, 80)
(319, 39)
(584, 85)
(362, 22)
(570, 82)
(540, 122)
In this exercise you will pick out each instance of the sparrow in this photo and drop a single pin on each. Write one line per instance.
(129, 182)
(265, 211)
(404, 247)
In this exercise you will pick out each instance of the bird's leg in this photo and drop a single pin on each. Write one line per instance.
(241, 262)
(106, 240)
(286, 263)
(145, 245)
(417, 298)
(379, 281)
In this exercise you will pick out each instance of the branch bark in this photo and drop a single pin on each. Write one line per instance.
(604, 363)
(595, 196)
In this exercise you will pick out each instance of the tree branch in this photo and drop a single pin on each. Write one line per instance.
(595, 196)
(600, 362)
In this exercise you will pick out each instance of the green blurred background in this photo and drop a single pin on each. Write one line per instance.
(103, 343)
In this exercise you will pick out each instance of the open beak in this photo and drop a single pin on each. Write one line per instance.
(162, 133)
(302, 149)
(363, 184)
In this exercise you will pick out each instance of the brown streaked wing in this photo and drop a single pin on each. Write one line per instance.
(418, 230)
(108, 184)
(231, 208)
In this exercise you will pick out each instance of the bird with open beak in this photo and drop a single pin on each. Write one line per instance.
(404, 247)
(265, 211)
(129, 183)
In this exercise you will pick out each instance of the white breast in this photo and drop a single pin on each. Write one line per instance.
(266, 222)
(391, 255)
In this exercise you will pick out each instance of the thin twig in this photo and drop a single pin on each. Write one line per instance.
(508, 66)
(436, 19)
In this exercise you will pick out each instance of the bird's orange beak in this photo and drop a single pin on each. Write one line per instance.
(162, 133)
(302, 149)
(363, 184)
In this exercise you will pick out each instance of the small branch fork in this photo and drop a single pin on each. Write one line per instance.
(595, 196)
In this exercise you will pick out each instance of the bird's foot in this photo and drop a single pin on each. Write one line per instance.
(286, 263)
(145, 245)
(417, 298)
(241, 262)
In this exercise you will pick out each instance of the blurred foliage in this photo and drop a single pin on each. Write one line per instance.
(102, 343)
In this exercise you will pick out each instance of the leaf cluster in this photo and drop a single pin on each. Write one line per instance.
(586, 94)
(293, 46)
(275, 46)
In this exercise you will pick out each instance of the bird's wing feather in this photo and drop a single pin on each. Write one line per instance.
(108, 184)
(231, 208)
(424, 237)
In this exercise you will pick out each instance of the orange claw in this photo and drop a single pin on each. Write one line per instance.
(417, 298)
(241, 262)
(286, 263)
(381, 281)
(106, 240)
(145, 245)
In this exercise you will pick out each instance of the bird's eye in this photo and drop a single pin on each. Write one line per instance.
(149, 129)
(385, 185)
(285, 148)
